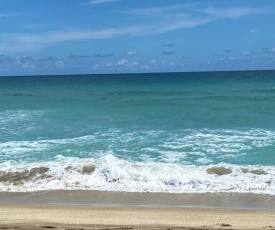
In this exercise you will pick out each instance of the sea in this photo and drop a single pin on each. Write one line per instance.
(201, 132)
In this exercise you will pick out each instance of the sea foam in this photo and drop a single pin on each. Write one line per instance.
(109, 173)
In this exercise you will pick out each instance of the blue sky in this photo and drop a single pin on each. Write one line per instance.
(122, 36)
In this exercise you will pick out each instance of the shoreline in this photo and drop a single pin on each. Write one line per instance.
(101, 210)
(111, 198)
(131, 218)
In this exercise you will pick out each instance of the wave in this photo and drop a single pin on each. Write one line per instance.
(110, 173)
(188, 146)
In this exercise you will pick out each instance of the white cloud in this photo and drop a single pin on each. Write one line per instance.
(158, 11)
(167, 52)
(20, 42)
(131, 53)
(54, 37)
(24, 63)
(153, 61)
(168, 18)
(234, 13)
(59, 65)
(96, 66)
(122, 62)
(180, 16)
(273, 50)
(135, 63)
(145, 67)
(109, 65)
(103, 55)
(28, 66)
(23, 59)
(96, 2)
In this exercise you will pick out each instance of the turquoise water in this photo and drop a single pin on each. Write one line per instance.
(170, 132)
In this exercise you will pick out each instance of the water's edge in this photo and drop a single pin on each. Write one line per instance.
(106, 198)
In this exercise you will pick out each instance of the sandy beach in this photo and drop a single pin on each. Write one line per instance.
(122, 217)
(118, 210)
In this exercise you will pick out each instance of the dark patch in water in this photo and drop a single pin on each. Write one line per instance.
(88, 169)
(85, 170)
(219, 171)
(67, 99)
(18, 178)
(258, 172)
(254, 171)
(69, 168)
(19, 95)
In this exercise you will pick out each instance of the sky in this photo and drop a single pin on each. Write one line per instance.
(135, 36)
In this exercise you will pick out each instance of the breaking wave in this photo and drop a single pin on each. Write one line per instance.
(110, 173)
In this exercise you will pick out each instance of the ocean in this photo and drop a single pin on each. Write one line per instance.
(203, 132)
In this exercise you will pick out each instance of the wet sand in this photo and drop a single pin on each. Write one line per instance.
(133, 211)
(99, 198)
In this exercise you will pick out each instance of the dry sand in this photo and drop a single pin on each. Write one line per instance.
(131, 217)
